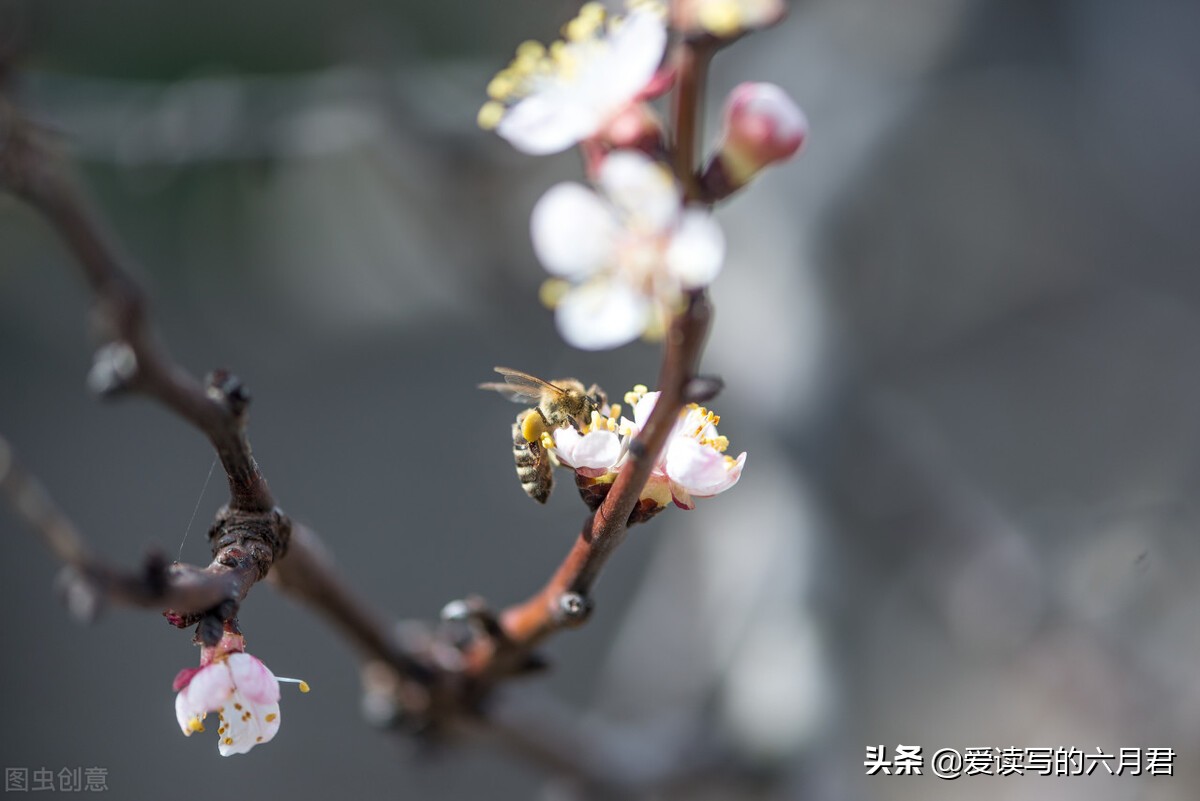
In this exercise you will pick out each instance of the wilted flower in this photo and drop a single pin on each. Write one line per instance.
(548, 99)
(630, 254)
(239, 688)
(726, 18)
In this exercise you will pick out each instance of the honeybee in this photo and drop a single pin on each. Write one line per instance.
(558, 404)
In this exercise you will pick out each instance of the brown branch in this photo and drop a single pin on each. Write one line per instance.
(251, 535)
(692, 59)
(437, 674)
(89, 582)
(564, 600)
(132, 357)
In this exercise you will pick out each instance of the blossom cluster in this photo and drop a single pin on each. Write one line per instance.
(622, 256)
(693, 464)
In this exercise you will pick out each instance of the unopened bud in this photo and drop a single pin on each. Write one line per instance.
(762, 126)
(725, 19)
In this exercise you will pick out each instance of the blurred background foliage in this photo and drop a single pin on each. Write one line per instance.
(960, 336)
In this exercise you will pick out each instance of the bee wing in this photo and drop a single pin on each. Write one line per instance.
(511, 393)
(521, 387)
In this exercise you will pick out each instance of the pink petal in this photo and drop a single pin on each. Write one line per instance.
(699, 469)
(184, 677)
(209, 688)
(252, 679)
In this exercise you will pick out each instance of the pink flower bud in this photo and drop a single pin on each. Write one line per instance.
(725, 19)
(762, 126)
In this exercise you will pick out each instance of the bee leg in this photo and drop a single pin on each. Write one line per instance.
(597, 396)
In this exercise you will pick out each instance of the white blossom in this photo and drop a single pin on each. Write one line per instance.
(549, 99)
(628, 252)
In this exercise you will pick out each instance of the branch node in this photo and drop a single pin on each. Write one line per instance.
(574, 609)
(702, 388)
(227, 389)
(83, 598)
(114, 368)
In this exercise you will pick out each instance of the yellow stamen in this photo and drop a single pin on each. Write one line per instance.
(531, 49)
(502, 86)
(552, 291)
(304, 687)
(593, 11)
(490, 115)
(228, 741)
(195, 725)
(614, 411)
(547, 440)
(271, 717)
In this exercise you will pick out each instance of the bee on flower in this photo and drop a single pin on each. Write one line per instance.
(693, 464)
(623, 256)
(550, 98)
(239, 688)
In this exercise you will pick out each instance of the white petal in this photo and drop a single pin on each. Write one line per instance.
(573, 231)
(699, 469)
(253, 679)
(642, 190)
(566, 440)
(184, 713)
(547, 122)
(245, 724)
(643, 408)
(637, 51)
(601, 314)
(697, 250)
(598, 449)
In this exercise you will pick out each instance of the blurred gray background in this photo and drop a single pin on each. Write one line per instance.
(960, 336)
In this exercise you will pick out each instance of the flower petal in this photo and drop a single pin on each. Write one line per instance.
(548, 122)
(699, 469)
(642, 190)
(697, 250)
(185, 714)
(245, 724)
(595, 450)
(209, 688)
(253, 679)
(601, 314)
(637, 48)
(643, 408)
(573, 231)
